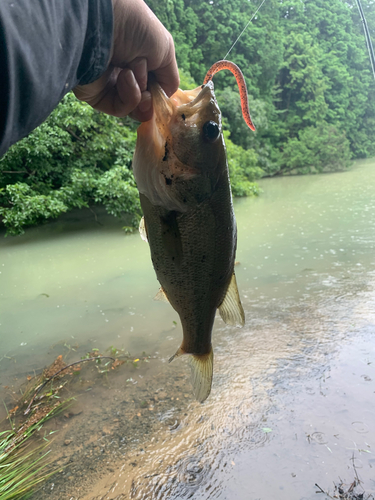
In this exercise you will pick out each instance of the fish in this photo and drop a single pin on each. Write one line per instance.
(181, 170)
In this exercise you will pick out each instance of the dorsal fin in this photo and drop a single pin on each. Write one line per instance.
(231, 309)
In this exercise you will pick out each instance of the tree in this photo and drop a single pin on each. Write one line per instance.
(317, 149)
(304, 62)
(76, 158)
(311, 95)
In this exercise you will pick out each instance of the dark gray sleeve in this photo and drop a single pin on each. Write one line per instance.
(47, 47)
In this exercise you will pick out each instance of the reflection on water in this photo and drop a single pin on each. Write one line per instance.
(293, 392)
(76, 282)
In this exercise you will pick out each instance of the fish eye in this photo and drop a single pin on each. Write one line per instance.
(211, 131)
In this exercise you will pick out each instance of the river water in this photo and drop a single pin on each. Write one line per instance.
(293, 397)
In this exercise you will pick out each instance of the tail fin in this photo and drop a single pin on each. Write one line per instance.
(201, 375)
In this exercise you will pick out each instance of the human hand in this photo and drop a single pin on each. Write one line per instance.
(140, 44)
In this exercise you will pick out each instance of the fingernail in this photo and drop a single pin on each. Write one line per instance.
(146, 102)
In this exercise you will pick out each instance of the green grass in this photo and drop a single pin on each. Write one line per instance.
(23, 467)
(20, 470)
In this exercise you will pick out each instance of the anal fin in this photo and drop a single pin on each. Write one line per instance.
(231, 309)
(178, 353)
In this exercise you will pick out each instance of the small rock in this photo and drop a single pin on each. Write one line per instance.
(68, 441)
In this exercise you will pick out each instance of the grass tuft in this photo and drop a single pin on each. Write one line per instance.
(24, 466)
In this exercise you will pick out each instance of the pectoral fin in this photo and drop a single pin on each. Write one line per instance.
(161, 295)
(143, 230)
(231, 309)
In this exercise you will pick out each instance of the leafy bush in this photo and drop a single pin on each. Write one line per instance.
(186, 80)
(317, 149)
(243, 169)
(76, 158)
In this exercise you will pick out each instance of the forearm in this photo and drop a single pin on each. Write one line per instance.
(47, 47)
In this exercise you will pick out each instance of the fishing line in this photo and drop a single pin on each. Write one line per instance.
(239, 36)
(367, 36)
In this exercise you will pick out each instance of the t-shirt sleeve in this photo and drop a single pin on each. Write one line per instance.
(47, 47)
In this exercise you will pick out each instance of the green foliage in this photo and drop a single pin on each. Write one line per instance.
(316, 150)
(26, 207)
(303, 82)
(24, 469)
(76, 158)
(230, 105)
(186, 80)
(311, 96)
(243, 169)
(325, 73)
(304, 61)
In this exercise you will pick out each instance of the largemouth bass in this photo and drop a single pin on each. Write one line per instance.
(181, 170)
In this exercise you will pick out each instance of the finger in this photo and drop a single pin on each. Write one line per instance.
(168, 78)
(123, 98)
(167, 71)
(144, 111)
(139, 68)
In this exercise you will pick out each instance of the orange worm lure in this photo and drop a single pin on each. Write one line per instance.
(233, 68)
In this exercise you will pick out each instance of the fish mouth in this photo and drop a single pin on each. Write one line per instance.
(188, 102)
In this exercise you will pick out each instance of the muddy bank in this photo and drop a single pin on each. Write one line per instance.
(294, 408)
(113, 418)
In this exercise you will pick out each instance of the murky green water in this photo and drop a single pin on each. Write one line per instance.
(293, 394)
